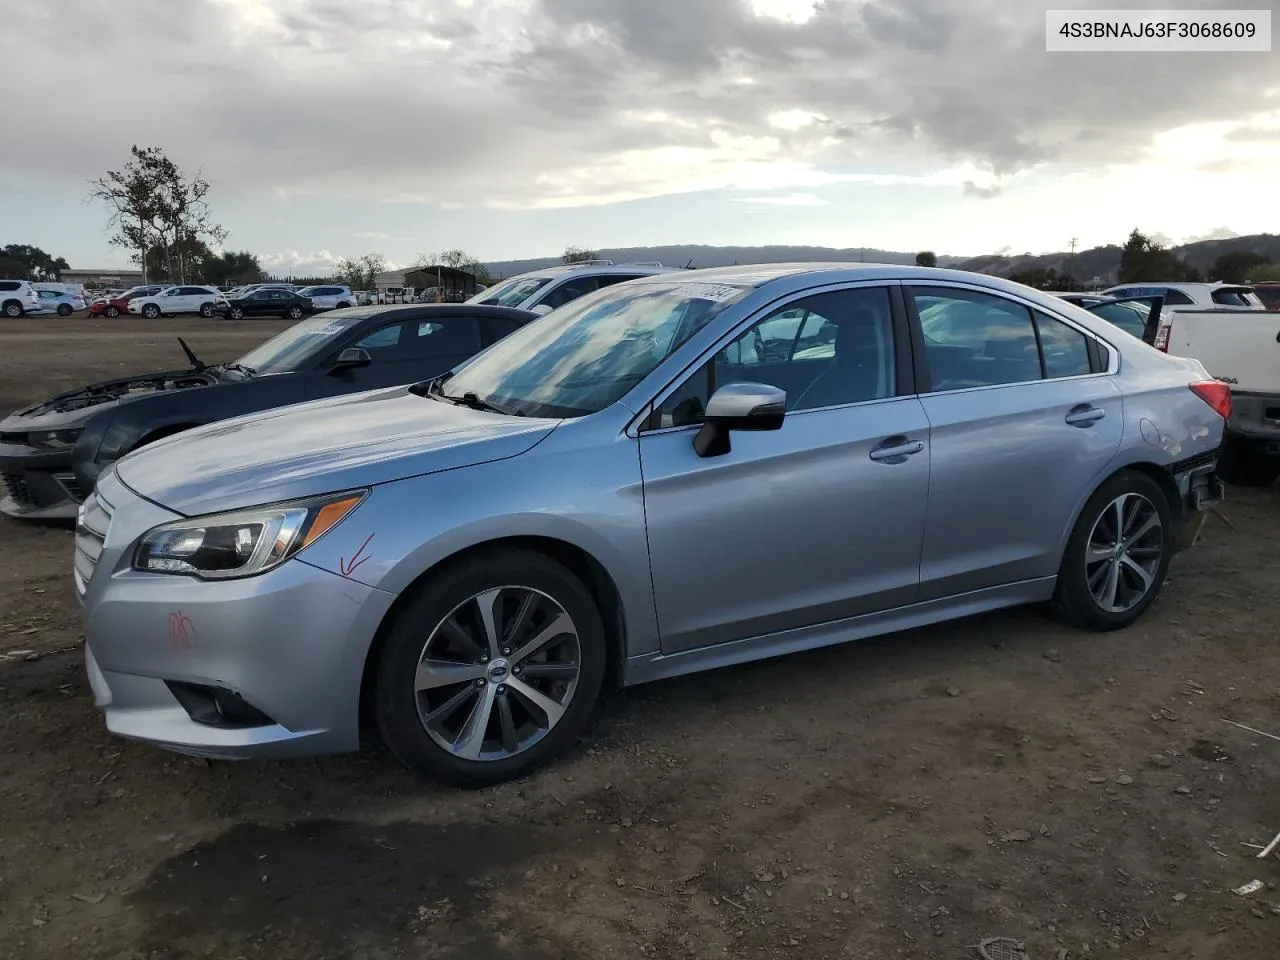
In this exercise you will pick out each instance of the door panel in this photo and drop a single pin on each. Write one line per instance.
(806, 524)
(790, 528)
(1012, 450)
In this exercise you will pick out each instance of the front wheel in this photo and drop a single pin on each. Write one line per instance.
(151, 311)
(112, 312)
(236, 313)
(490, 669)
(295, 313)
(206, 310)
(1118, 554)
(64, 310)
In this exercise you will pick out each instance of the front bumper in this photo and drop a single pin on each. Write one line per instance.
(289, 645)
(38, 485)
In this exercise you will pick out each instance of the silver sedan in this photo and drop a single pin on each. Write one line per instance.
(668, 475)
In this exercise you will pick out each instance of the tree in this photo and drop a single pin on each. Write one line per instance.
(359, 272)
(228, 267)
(926, 258)
(1264, 271)
(1234, 267)
(1044, 278)
(1144, 260)
(153, 203)
(21, 261)
(161, 260)
(576, 254)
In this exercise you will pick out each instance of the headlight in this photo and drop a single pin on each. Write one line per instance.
(243, 543)
(54, 439)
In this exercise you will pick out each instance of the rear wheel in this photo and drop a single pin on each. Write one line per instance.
(490, 669)
(1246, 463)
(13, 309)
(236, 313)
(151, 311)
(112, 312)
(295, 313)
(1119, 552)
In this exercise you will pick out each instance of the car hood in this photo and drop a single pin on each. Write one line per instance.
(73, 408)
(319, 447)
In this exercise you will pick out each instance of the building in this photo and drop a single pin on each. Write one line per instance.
(103, 278)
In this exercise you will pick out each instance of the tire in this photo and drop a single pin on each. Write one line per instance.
(1074, 599)
(235, 313)
(206, 310)
(13, 310)
(344, 305)
(419, 627)
(294, 313)
(151, 311)
(112, 312)
(1244, 462)
(64, 310)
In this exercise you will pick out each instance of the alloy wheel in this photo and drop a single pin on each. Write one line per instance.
(498, 673)
(1124, 551)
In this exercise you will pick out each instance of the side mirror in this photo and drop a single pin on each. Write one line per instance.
(739, 406)
(350, 358)
(542, 309)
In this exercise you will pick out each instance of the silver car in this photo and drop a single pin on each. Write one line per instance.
(667, 475)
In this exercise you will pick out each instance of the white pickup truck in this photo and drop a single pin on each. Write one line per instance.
(1241, 347)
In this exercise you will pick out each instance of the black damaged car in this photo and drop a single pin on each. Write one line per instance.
(51, 453)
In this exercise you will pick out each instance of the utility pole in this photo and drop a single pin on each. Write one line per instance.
(1071, 262)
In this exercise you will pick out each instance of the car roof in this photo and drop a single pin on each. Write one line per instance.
(421, 311)
(567, 269)
(760, 274)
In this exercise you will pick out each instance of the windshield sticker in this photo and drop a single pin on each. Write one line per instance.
(716, 293)
(328, 330)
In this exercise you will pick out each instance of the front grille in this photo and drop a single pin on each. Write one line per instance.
(17, 488)
(70, 485)
(92, 524)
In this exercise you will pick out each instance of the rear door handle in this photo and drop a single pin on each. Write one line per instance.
(1084, 415)
(895, 450)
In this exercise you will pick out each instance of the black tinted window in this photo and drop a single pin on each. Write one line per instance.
(1176, 298)
(570, 290)
(8, 285)
(493, 329)
(448, 337)
(975, 339)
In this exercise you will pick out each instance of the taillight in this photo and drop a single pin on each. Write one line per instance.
(1216, 394)
(1161, 341)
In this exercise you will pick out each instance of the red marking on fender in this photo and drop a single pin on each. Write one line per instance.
(357, 558)
(182, 633)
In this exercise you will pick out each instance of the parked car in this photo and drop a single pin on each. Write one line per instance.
(268, 302)
(55, 301)
(52, 452)
(625, 487)
(1136, 316)
(544, 290)
(172, 301)
(1268, 292)
(17, 298)
(329, 296)
(1083, 299)
(112, 307)
(1203, 296)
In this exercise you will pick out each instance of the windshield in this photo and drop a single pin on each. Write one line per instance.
(286, 351)
(581, 358)
(511, 293)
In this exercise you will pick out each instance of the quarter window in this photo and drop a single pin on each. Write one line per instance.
(824, 351)
(1175, 298)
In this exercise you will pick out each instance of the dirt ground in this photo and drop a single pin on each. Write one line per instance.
(903, 797)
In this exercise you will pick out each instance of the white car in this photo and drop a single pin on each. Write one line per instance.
(1193, 296)
(205, 301)
(329, 296)
(543, 290)
(18, 298)
(56, 301)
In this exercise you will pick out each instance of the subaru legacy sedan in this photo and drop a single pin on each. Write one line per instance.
(668, 475)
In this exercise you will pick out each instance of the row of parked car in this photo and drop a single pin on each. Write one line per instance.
(444, 526)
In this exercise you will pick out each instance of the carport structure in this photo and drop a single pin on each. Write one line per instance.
(454, 285)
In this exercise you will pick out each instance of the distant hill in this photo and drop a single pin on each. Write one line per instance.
(708, 256)
(1103, 263)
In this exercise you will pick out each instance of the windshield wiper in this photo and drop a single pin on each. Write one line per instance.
(472, 399)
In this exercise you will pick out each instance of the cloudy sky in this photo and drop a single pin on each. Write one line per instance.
(512, 128)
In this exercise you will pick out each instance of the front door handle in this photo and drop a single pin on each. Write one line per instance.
(1084, 415)
(895, 450)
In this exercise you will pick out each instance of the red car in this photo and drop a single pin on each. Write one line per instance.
(1268, 292)
(118, 305)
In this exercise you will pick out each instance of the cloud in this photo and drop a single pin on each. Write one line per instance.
(788, 200)
(1221, 233)
(537, 104)
(971, 189)
(371, 235)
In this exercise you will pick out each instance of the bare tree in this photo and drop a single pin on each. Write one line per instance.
(360, 272)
